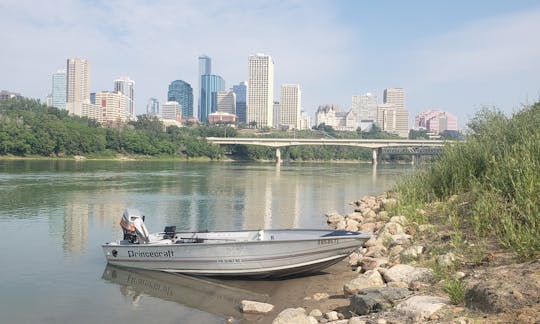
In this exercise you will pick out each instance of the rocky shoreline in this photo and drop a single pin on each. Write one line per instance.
(393, 286)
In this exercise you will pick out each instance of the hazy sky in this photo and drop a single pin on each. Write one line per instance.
(455, 55)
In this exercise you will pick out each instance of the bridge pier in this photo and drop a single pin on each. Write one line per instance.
(376, 155)
(278, 156)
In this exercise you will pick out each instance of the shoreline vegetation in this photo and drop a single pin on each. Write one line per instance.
(29, 129)
(457, 241)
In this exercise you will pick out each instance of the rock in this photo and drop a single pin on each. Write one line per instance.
(369, 263)
(416, 285)
(333, 218)
(294, 316)
(406, 273)
(353, 259)
(401, 220)
(376, 299)
(395, 250)
(383, 215)
(356, 320)
(370, 278)
(459, 275)
(392, 229)
(398, 284)
(381, 321)
(253, 307)
(446, 260)
(320, 296)
(341, 225)
(331, 316)
(369, 214)
(418, 308)
(412, 252)
(372, 242)
(367, 227)
(356, 217)
(376, 251)
(425, 227)
(388, 203)
(400, 239)
(351, 228)
(315, 313)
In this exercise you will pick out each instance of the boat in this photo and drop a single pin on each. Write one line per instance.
(244, 253)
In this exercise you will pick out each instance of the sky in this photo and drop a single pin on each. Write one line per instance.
(458, 56)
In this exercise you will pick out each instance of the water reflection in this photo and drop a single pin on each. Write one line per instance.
(219, 297)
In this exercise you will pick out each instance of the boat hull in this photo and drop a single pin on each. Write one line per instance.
(265, 258)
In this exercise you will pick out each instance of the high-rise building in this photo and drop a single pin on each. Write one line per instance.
(365, 107)
(171, 110)
(276, 108)
(290, 106)
(226, 102)
(395, 96)
(210, 85)
(181, 92)
(436, 121)
(152, 107)
(58, 93)
(113, 107)
(392, 117)
(393, 120)
(241, 103)
(205, 67)
(77, 85)
(125, 86)
(260, 97)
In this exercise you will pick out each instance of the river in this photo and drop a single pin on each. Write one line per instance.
(54, 216)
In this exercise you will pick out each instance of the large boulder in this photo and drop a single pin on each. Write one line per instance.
(253, 307)
(377, 299)
(406, 273)
(370, 278)
(418, 308)
(294, 316)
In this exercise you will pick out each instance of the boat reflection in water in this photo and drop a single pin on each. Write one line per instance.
(213, 296)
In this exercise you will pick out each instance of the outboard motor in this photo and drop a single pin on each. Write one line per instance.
(132, 224)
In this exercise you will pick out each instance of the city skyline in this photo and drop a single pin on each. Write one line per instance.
(455, 56)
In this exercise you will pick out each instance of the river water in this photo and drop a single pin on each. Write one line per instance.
(54, 216)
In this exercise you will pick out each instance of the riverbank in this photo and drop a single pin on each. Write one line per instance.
(415, 273)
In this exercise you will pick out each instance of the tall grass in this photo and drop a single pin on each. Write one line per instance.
(498, 167)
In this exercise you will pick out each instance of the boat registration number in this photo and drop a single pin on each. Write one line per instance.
(328, 241)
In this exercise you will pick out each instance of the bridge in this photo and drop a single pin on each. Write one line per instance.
(415, 147)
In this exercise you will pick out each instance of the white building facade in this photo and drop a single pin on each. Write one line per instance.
(260, 96)
(290, 106)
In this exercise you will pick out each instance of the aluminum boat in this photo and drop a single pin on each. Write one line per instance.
(248, 253)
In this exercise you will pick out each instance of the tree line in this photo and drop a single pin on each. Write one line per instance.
(30, 128)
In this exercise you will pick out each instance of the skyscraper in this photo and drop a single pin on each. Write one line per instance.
(205, 67)
(125, 86)
(395, 96)
(365, 107)
(226, 102)
(77, 85)
(436, 121)
(290, 106)
(113, 107)
(59, 89)
(181, 92)
(261, 90)
(210, 85)
(152, 107)
(241, 93)
(392, 117)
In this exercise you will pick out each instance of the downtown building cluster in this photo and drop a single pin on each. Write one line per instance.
(251, 102)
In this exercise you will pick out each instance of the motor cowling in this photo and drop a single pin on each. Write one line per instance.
(133, 227)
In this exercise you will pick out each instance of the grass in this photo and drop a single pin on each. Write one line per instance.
(496, 176)
(455, 289)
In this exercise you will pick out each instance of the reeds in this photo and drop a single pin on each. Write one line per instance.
(497, 168)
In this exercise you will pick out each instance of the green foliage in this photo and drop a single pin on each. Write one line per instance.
(455, 289)
(499, 168)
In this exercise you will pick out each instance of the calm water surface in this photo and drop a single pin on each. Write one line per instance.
(54, 215)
